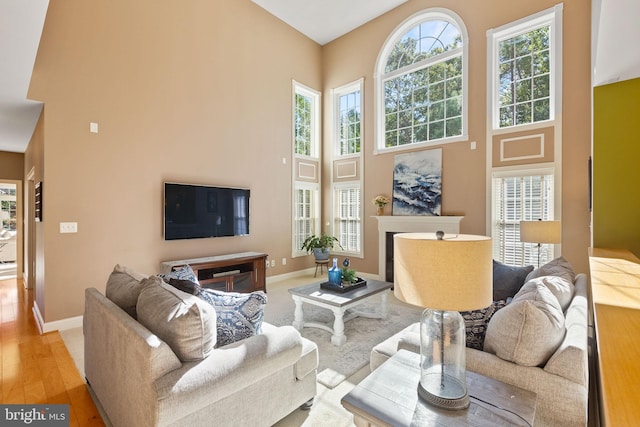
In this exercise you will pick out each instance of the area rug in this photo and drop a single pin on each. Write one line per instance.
(338, 363)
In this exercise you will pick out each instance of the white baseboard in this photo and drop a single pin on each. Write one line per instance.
(291, 275)
(58, 325)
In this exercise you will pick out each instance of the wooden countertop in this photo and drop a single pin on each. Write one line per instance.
(615, 288)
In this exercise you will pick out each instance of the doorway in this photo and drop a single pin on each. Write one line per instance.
(10, 227)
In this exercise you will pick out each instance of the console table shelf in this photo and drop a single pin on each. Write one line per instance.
(241, 272)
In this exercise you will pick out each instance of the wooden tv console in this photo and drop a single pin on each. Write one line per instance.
(241, 272)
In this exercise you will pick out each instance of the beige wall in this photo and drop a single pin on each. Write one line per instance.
(11, 165)
(34, 236)
(196, 92)
(464, 170)
(200, 92)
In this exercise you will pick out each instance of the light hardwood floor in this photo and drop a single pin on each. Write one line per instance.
(38, 369)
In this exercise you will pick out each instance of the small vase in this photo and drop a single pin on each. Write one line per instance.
(380, 211)
(335, 273)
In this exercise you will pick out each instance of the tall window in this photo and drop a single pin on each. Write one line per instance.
(421, 85)
(521, 196)
(305, 165)
(348, 121)
(347, 167)
(348, 216)
(525, 59)
(306, 121)
(8, 206)
(305, 216)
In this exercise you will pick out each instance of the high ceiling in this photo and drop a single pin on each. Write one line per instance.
(21, 23)
(326, 20)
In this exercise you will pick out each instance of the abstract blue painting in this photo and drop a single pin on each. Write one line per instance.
(417, 183)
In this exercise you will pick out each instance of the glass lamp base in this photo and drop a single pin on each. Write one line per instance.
(457, 399)
(443, 381)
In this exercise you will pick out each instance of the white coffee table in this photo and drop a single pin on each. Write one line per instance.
(338, 303)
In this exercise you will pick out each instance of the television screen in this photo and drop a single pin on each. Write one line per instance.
(197, 211)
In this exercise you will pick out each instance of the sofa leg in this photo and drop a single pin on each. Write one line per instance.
(307, 405)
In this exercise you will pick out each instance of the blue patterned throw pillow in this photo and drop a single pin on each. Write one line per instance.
(239, 316)
(476, 322)
(182, 273)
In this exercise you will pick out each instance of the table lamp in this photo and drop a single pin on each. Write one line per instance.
(446, 274)
(540, 232)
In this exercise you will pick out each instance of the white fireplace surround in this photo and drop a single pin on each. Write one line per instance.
(411, 224)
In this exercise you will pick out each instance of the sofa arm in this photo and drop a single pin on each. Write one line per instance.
(121, 360)
(228, 369)
(560, 401)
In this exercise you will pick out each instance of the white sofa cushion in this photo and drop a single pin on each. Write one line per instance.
(185, 322)
(556, 267)
(559, 286)
(529, 329)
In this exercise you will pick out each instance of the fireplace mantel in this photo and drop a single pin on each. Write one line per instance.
(411, 224)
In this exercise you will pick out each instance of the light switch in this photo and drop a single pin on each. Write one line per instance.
(93, 127)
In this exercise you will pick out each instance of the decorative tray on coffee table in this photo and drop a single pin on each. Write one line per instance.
(343, 287)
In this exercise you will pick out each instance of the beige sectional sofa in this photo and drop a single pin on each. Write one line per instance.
(551, 364)
(141, 380)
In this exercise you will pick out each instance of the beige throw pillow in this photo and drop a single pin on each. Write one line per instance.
(123, 287)
(529, 329)
(185, 322)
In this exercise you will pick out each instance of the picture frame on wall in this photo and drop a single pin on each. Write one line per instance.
(38, 201)
(417, 183)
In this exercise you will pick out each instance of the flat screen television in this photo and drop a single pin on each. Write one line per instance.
(198, 211)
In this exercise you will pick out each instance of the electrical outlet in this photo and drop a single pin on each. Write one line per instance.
(284, 261)
(68, 227)
(273, 263)
(267, 263)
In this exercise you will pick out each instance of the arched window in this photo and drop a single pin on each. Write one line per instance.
(421, 82)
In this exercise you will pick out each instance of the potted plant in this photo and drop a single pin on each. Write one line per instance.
(320, 245)
(348, 275)
(380, 201)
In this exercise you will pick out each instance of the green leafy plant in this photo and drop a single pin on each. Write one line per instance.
(348, 275)
(324, 241)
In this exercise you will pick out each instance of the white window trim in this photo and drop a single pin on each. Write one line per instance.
(316, 125)
(315, 192)
(552, 17)
(336, 93)
(556, 122)
(436, 13)
(315, 118)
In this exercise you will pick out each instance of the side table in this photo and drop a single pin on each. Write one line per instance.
(389, 397)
